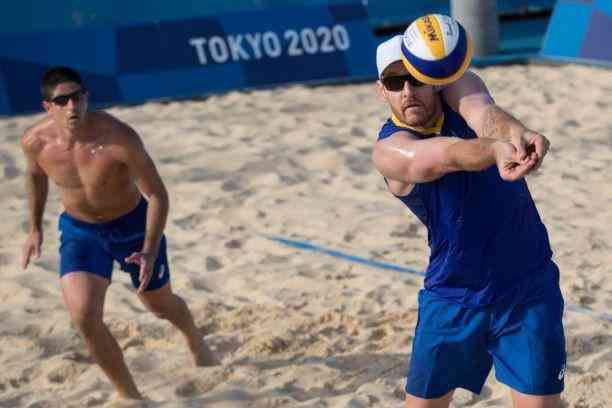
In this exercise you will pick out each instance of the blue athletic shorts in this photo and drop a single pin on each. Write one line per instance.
(92, 247)
(521, 336)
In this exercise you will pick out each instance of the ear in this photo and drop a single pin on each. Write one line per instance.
(380, 90)
(46, 106)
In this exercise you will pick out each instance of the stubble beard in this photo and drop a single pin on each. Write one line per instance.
(420, 119)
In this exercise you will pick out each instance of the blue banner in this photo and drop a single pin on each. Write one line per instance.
(61, 15)
(580, 31)
(134, 63)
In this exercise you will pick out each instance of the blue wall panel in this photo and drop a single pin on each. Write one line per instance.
(181, 83)
(132, 51)
(4, 103)
(604, 6)
(580, 30)
(596, 44)
(87, 49)
(566, 30)
(137, 62)
(37, 15)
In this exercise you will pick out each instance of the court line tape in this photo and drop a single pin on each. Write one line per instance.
(583, 310)
(307, 246)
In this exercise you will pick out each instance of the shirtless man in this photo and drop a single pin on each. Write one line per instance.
(102, 171)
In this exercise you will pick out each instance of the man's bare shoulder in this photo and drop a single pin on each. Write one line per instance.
(113, 128)
(36, 136)
(119, 137)
(470, 89)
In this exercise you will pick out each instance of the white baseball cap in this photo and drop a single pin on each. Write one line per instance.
(388, 52)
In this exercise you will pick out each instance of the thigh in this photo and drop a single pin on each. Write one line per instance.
(84, 294)
(449, 349)
(530, 357)
(82, 253)
(535, 401)
(442, 402)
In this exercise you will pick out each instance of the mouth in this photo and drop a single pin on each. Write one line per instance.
(413, 106)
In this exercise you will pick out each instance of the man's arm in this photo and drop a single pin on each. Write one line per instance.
(408, 160)
(150, 184)
(470, 97)
(37, 187)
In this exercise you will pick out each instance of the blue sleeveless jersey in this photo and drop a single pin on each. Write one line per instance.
(485, 234)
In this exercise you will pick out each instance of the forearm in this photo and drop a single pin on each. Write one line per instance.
(422, 161)
(499, 124)
(157, 213)
(37, 186)
(469, 155)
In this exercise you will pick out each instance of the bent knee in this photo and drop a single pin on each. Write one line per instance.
(163, 308)
(86, 320)
(160, 313)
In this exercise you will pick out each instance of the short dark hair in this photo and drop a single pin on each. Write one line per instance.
(56, 76)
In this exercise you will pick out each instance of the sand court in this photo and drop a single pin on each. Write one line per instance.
(295, 327)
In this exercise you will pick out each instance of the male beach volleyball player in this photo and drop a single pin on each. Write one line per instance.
(115, 210)
(491, 295)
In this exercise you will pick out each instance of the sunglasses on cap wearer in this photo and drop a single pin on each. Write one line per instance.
(396, 83)
(62, 100)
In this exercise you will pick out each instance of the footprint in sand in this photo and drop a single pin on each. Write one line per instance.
(97, 398)
(65, 371)
(10, 169)
(189, 222)
(78, 357)
(144, 363)
(6, 259)
(213, 264)
(203, 383)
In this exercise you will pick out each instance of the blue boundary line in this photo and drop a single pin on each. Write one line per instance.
(583, 310)
(337, 254)
(307, 246)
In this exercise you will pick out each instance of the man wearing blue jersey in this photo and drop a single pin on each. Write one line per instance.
(491, 295)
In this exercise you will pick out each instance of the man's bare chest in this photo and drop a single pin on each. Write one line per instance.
(90, 167)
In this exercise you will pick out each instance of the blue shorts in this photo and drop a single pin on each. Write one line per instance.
(521, 336)
(92, 247)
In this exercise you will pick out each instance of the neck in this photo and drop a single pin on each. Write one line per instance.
(67, 136)
(71, 135)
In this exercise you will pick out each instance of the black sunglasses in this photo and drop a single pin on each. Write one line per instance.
(396, 83)
(62, 100)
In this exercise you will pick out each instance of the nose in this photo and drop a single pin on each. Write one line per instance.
(71, 103)
(407, 88)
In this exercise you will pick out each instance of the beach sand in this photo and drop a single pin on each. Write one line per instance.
(299, 328)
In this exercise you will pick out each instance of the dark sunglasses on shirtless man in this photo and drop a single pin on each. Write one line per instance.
(62, 100)
(396, 83)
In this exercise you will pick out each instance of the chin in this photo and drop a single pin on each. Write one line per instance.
(414, 120)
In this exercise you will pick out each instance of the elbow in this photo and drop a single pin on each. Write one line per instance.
(421, 173)
(426, 174)
(160, 198)
(164, 199)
